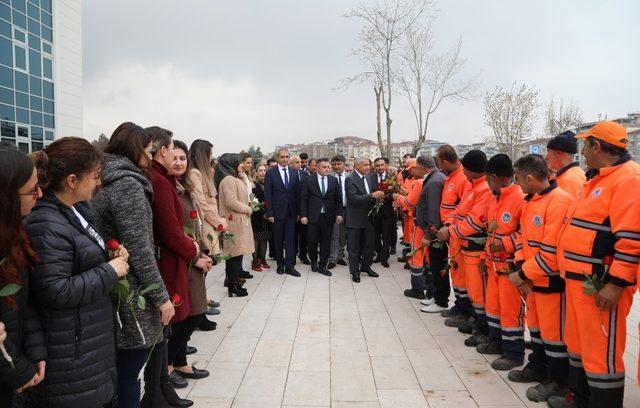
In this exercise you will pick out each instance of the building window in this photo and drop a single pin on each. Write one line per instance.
(6, 52)
(6, 96)
(21, 57)
(19, 19)
(8, 129)
(19, 35)
(7, 112)
(20, 5)
(35, 63)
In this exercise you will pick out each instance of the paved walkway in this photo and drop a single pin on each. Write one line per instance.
(325, 342)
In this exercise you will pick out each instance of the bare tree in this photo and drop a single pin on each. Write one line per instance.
(383, 27)
(562, 117)
(428, 79)
(510, 114)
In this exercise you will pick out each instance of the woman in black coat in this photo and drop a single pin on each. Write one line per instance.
(24, 342)
(261, 228)
(73, 279)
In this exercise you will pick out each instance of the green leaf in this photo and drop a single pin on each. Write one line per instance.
(142, 303)
(124, 282)
(589, 288)
(149, 288)
(210, 238)
(436, 245)
(10, 289)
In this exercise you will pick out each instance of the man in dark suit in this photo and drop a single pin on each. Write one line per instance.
(301, 230)
(385, 219)
(360, 231)
(339, 234)
(320, 210)
(281, 194)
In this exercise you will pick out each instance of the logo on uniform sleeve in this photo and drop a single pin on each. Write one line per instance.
(537, 221)
(450, 186)
(596, 193)
(506, 217)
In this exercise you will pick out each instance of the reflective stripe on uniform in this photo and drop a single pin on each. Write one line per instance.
(590, 225)
(582, 258)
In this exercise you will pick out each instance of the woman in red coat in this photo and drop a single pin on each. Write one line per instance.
(175, 250)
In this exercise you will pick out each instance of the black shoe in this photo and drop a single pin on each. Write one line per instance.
(526, 375)
(177, 381)
(191, 350)
(355, 278)
(384, 264)
(245, 275)
(213, 303)
(377, 260)
(331, 265)
(402, 259)
(237, 290)
(414, 293)
(392, 251)
(305, 260)
(153, 399)
(207, 325)
(324, 271)
(476, 339)
(466, 328)
(371, 273)
(407, 267)
(280, 270)
(172, 398)
(195, 375)
(342, 262)
(292, 272)
(314, 267)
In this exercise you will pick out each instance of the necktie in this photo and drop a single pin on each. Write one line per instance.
(286, 178)
(366, 185)
(340, 186)
(323, 190)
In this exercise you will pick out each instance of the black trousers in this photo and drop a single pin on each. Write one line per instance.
(302, 246)
(180, 335)
(320, 233)
(384, 228)
(233, 267)
(285, 242)
(156, 372)
(436, 279)
(360, 247)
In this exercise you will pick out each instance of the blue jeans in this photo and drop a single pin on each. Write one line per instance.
(129, 364)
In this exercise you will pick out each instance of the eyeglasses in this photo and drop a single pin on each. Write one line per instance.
(35, 192)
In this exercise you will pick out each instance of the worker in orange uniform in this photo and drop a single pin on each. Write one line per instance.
(600, 241)
(470, 228)
(561, 150)
(402, 177)
(407, 205)
(455, 185)
(537, 276)
(504, 304)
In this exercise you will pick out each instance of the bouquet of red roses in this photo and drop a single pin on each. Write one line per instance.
(389, 186)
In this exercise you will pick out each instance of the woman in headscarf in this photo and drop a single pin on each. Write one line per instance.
(234, 205)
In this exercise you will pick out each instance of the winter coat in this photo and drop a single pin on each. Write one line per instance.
(233, 200)
(176, 248)
(196, 276)
(123, 208)
(71, 285)
(208, 205)
(24, 343)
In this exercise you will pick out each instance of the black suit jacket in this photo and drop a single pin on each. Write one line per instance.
(311, 199)
(387, 208)
(359, 202)
(282, 203)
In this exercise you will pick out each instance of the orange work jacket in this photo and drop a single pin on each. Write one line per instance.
(571, 179)
(455, 185)
(471, 216)
(503, 221)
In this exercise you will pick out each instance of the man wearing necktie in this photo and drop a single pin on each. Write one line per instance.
(360, 230)
(281, 195)
(339, 234)
(385, 219)
(320, 209)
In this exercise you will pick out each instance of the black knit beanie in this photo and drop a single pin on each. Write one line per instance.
(500, 165)
(475, 161)
(564, 142)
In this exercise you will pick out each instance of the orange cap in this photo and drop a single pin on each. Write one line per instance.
(608, 131)
(411, 163)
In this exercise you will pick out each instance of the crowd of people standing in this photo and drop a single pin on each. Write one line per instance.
(105, 252)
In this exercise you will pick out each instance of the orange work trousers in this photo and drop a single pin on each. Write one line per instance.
(596, 342)
(476, 287)
(505, 309)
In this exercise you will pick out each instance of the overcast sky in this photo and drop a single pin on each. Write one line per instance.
(262, 72)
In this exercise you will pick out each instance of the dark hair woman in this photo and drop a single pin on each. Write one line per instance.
(127, 164)
(73, 278)
(234, 205)
(176, 250)
(192, 222)
(260, 225)
(23, 340)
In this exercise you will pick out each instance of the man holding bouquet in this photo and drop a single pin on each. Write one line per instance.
(384, 219)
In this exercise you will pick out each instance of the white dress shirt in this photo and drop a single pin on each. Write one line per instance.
(341, 178)
(366, 182)
(281, 170)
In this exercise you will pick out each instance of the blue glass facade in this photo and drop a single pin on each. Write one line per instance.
(27, 103)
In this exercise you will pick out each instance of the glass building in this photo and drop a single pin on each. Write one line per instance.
(27, 97)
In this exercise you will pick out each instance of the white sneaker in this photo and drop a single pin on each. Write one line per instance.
(433, 308)
(427, 302)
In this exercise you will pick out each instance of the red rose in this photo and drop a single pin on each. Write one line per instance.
(193, 214)
(432, 229)
(502, 257)
(607, 260)
(220, 227)
(230, 217)
(177, 299)
(483, 218)
(384, 186)
(113, 244)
